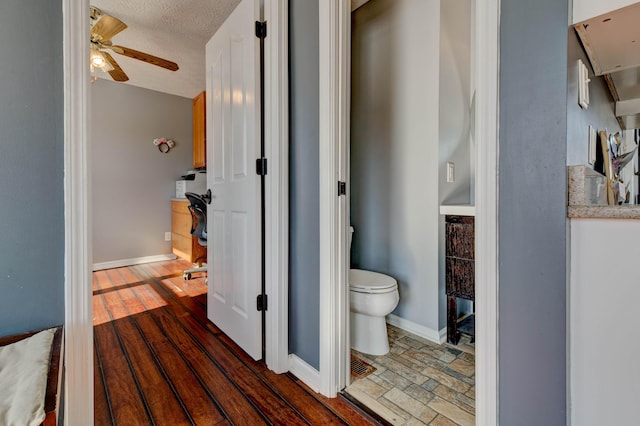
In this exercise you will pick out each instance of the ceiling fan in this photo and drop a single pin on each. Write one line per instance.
(103, 28)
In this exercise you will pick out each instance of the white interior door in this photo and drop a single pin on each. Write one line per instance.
(233, 145)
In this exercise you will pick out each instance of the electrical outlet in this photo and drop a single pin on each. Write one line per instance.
(167, 236)
(450, 172)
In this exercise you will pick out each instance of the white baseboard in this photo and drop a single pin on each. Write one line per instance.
(303, 371)
(436, 336)
(135, 261)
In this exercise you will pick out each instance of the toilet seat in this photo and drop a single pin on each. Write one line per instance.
(371, 282)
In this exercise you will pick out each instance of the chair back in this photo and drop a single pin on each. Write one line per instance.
(198, 209)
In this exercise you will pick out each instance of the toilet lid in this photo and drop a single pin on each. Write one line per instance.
(369, 281)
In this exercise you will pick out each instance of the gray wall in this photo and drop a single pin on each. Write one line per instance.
(133, 181)
(31, 166)
(532, 212)
(600, 113)
(304, 180)
(394, 149)
(454, 125)
(455, 101)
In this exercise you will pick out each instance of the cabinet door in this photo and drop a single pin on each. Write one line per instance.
(199, 132)
(459, 256)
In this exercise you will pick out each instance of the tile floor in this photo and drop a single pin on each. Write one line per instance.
(420, 382)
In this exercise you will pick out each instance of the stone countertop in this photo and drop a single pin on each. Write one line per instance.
(580, 193)
(604, 212)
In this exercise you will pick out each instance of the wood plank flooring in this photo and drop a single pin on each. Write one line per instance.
(159, 361)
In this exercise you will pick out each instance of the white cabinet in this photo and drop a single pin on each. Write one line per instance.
(586, 9)
(603, 296)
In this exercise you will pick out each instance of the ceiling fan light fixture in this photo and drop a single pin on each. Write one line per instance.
(103, 28)
(99, 62)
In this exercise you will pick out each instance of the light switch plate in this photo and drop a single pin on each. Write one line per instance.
(583, 84)
(592, 145)
(167, 236)
(450, 172)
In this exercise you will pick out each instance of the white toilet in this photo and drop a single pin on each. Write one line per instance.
(373, 296)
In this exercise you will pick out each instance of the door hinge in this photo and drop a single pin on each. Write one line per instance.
(342, 188)
(261, 302)
(261, 166)
(261, 29)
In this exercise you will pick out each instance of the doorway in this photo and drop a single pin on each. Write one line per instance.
(334, 91)
(78, 258)
(410, 115)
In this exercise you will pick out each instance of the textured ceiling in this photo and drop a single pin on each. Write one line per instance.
(176, 30)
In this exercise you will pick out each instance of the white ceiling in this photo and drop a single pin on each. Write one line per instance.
(176, 30)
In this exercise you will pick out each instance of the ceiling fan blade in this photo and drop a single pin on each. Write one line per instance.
(163, 63)
(107, 27)
(116, 73)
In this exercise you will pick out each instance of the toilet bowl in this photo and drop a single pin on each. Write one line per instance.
(372, 296)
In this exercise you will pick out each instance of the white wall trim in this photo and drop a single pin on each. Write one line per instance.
(334, 59)
(487, 22)
(443, 335)
(276, 13)
(303, 371)
(78, 326)
(436, 336)
(133, 261)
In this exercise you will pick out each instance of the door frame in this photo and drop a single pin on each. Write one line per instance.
(334, 127)
(78, 312)
(78, 356)
(276, 14)
(335, 40)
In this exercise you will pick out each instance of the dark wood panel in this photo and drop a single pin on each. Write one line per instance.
(163, 402)
(460, 240)
(102, 413)
(302, 401)
(232, 401)
(453, 335)
(347, 412)
(129, 407)
(269, 403)
(126, 402)
(459, 277)
(459, 267)
(151, 328)
(196, 397)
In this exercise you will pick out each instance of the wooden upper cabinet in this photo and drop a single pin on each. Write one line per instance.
(199, 131)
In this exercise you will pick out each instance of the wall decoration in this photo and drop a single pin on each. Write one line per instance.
(164, 145)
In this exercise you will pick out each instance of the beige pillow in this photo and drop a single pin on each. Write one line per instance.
(24, 367)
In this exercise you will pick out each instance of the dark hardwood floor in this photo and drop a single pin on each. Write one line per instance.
(158, 360)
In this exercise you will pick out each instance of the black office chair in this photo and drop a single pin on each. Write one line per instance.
(198, 209)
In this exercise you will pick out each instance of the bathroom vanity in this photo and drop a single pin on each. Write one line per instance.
(459, 266)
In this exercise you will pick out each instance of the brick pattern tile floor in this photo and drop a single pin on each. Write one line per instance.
(420, 382)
